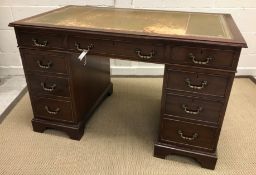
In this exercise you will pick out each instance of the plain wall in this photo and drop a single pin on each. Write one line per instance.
(243, 12)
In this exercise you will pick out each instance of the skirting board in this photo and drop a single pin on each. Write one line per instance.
(130, 70)
(15, 70)
(10, 93)
(246, 71)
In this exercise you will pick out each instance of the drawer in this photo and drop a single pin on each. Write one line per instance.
(204, 57)
(78, 44)
(192, 108)
(137, 50)
(52, 62)
(47, 85)
(183, 133)
(196, 82)
(141, 51)
(40, 40)
(52, 109)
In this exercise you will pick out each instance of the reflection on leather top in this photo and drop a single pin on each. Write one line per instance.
(139, 21)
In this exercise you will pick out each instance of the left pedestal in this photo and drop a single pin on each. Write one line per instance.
(63, 91)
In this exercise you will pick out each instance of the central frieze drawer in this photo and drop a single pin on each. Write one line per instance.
(196, 82)
(48, 85)
(45, 61)
(78, 44)
(149, 52)
(204, 57)
(137, 50)
(52, 109)
(183, 133)
(192, 108)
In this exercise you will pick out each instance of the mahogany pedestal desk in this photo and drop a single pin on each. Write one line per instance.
(200, 52)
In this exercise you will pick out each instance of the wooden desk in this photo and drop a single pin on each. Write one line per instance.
(200, 52)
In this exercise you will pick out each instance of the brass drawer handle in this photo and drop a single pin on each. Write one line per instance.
(146, 57)
(44, 66)
(203, 84)
(49, 88)
(37, 44)
(78, 48)
(189, 111)
(53, 112)
(194, 136)
(193, 57)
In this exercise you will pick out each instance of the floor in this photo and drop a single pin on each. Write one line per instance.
(119, 138)
(11, 89)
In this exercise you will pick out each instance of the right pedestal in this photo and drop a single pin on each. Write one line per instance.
(194, 102)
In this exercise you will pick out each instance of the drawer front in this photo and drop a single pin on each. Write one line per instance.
(47, 85)
(137, 50)
(204, 57)
(182, 133)
(78, 44)
(192, 108)
(52, 109)
(51, 62)
(196, 82)
(41, 40)
(141, 51)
